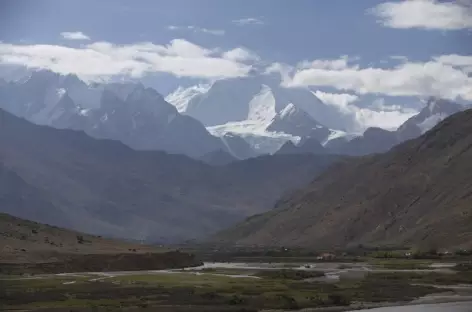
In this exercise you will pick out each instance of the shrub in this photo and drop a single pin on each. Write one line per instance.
(339, 300)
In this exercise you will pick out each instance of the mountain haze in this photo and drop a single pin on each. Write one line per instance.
(66, 178)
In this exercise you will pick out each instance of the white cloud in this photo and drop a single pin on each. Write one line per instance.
(248, 21)
(400, 58)
(336, 99)
(196, 29)
(389, 120)
(283, 69)
(76, 35)
(336, 64)
(425, 14)
(241, 55)
(436, 77)
(378, 115)
(459, 61)
(102, 60)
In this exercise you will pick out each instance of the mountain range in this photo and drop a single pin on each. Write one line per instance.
(131, 113)
(259, 110)
(66, 178)
(267, 116)
(417, 194)
(378, 140)
(243, 117)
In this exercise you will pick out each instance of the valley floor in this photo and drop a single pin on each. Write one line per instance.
(246, 286)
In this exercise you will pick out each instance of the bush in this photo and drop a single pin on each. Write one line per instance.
(288, 301)
(236, 300)
(339, 300)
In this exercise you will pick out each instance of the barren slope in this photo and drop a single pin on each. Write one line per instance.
(419, 193)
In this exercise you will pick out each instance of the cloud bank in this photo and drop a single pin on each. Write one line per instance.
(425, 14)
(445, 76)
(389, 117)
(102, 60)
(241, 55)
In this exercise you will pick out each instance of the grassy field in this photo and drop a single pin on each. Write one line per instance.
(181, 291)
(401, 264)
(253, 288)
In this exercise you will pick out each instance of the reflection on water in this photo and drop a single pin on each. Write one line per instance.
(440, 307)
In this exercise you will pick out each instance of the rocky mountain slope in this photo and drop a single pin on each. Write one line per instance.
(66, 178)
(307, 146)
(218, 158)
(131, 113)
(419, 193)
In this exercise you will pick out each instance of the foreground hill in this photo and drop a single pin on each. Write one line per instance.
(66, 178)
(419, 193)
(22, 239)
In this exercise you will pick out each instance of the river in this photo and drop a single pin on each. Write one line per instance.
(439, 307)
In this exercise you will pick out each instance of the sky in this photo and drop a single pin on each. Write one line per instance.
(387, 53)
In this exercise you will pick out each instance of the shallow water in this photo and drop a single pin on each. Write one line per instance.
(439, 307)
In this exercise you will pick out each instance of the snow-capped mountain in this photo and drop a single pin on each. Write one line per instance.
(374, 139)
(377, 140)
(245, 117)
(259, 139)
(182, 96)
(131, 113)
(237, 99)
(297, 122)
(434, 112)
(225, 101)
(251, 108)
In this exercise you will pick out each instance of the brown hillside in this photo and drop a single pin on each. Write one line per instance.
(419, 193)
(24, 240)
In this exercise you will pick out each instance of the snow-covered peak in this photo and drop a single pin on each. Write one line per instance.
(182, 96)
(434, 112)
(337, 134)
(261, 140)
(262, 106)
(288, 110)
(442, 106)
(295, 121)
(432, 104)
